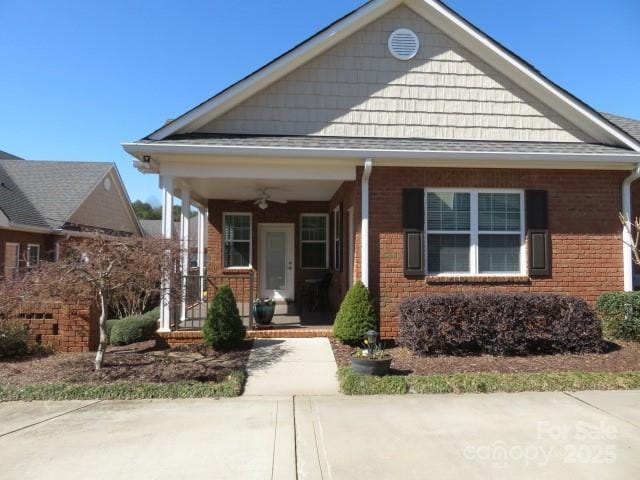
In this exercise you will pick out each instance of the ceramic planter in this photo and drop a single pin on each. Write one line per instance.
(263, 314)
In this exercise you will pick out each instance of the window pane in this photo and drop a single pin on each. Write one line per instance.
(314, 228)
(34, 255)
(314, 255)
(498, 212)
(499, 253)
(237, 227)
(236, 254)
(448, 253)
(448, 211)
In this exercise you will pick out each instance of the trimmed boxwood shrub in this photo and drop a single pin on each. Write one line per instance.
(498, 324)
(14, 339)
(356, 315)
(223, 328)
(137, 328)
(620, 315)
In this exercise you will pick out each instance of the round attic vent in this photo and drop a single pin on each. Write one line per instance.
(403, 44)
(107, 184)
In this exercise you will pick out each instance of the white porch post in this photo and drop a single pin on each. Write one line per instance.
(202, 232)
(184, 245)
(364, 224)
(166, 185)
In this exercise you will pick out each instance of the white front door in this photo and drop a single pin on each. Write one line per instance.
(276, 262)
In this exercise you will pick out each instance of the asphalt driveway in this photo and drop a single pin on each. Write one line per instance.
(530, 435)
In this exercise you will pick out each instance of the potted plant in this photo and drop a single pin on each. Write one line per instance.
(371, 359)
(263, 310)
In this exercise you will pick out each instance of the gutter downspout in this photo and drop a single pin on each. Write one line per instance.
(364, 225)
(627, 254)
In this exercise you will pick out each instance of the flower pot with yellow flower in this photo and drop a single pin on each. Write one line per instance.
(371, 359)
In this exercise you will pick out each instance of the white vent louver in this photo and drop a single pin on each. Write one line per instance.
(403, 44)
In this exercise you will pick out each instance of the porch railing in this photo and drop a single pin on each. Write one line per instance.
(200, 289)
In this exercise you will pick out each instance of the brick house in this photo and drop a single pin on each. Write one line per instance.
(403, 147)
(43, 203)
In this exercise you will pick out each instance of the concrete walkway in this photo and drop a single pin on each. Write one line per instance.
(586, 435)
(291, 366)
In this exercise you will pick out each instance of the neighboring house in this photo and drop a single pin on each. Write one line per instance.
(42, 202)
(414, 153)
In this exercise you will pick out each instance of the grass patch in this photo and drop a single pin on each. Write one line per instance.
(354, 384)
(232, 386)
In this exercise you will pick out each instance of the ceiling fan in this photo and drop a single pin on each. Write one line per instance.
(264, 198)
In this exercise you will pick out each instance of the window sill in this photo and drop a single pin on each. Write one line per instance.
(237, 270)
(478, 279)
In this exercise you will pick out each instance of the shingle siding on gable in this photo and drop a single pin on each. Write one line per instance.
(358, 89)
(104, 209)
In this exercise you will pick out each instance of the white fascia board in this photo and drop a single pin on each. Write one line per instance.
(207, 111)
(304, 154)
(523, 75)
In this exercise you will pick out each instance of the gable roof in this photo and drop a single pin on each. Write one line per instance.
(46, 193)
(443, 18)
(629, 125)
(9, 156)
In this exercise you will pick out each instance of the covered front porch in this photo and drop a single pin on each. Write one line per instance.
(286, 230)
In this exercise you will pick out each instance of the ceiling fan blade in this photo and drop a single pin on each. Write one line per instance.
(257, 201)
(277, 200)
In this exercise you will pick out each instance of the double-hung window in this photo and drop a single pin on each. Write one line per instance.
(474, 232)
(314, 240)
(237, 240)
(33, 255)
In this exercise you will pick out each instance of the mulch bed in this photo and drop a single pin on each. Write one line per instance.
(142, 363)
(619, 357)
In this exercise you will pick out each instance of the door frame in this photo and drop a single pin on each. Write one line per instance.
(290, 254)
(350, 233)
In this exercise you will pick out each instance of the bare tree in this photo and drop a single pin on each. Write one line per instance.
(103, 268)
(632, 230)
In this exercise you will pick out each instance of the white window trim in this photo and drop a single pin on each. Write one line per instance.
(18, 249)
(474, 233)
(336, 239)
(224, 223)
(29, 247)
(325, 241)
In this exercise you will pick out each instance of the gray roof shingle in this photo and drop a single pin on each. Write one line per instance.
(376, 143)
(46, 193)
(8, 156)
(629, 125)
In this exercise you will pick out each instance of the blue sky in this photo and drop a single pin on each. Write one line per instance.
(79, 77)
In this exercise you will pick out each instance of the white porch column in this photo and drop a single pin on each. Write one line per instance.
(364, 224)
(627, 253)
(202, 232)
(184, 245)
(166, 185)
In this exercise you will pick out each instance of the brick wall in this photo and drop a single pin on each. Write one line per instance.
(346, 195)
(583, 220)
(45, 241)
(64, 327)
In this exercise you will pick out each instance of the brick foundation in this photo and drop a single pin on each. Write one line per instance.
(192, 337)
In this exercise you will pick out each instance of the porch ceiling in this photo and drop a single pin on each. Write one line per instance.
(249, 189)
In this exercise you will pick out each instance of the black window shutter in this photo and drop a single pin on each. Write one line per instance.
(413, 231)
(539, 241)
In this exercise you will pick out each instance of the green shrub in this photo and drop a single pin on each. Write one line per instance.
(110, 323)
(153, 314)
(223, 327)
(620, 315)
(13, 339)
(356, 315)
(132, 329)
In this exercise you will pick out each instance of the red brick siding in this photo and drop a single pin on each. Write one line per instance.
(63, 327)
(340, 280)
(583, 219)
(45, 241)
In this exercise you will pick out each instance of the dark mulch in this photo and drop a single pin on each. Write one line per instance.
(618, 357)
(137, 365)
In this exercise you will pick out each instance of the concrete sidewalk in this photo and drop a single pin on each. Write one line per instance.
(525, 435)
(291, 366)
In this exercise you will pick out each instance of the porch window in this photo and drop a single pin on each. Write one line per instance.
(237, 240)
(474, 232)
(11, 260)
(314, 240)
(33, 255)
